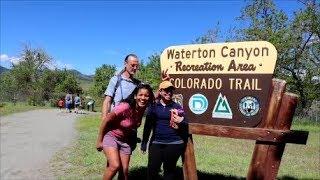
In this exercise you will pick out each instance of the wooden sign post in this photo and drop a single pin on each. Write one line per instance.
(227, 90)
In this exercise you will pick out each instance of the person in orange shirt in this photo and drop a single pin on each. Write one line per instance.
(61, 104)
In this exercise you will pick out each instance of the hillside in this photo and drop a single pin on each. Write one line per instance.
(85, 84)
(85, 80)
(3, 69)
(81, 76)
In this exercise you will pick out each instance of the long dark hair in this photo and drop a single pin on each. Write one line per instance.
(130, 99)
(126, 60)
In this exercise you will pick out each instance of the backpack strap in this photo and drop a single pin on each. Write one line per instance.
(119, 79)
(136, 81)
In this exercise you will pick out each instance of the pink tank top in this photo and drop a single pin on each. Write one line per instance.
(126, 121)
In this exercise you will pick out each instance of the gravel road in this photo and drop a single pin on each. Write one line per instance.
(30, 139)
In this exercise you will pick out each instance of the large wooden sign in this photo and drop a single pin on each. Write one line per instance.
(222, 83)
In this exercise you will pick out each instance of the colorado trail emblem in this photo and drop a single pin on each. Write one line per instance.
(222, 108)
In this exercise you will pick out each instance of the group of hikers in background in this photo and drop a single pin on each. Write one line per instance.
(76, 102)
(126, 100)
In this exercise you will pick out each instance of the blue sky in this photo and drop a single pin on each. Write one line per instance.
(83, 35)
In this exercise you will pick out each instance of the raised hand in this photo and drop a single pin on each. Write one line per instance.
(164, 75)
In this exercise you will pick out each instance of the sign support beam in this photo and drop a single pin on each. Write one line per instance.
(189, 162)
(259, 134)
(266, 159)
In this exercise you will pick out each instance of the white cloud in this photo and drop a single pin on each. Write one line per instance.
(15, 60)
(6, 58)
(60, 65)
(6, 61)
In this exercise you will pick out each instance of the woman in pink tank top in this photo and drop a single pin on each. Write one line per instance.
(117, 132)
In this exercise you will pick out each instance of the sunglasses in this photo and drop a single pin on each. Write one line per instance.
(169, 89)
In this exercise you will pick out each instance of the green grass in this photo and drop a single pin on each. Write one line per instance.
(9, 108)
(215, 157)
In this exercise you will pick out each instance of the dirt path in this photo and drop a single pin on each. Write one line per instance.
(30, 139)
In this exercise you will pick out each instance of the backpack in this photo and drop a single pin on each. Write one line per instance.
(68, 98)
(118, 83)
(77, 100)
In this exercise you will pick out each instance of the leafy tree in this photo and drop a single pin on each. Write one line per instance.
(296, 41)
(27, 73)
(150, 72)
(68, 83)
(31, 79)
(102, 77)
(49, 80)
(211, 36)
(56, 83)
(9, 87)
